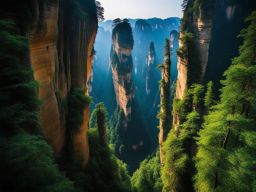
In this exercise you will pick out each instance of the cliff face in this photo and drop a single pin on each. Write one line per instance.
(214, 27)
(151, 70)
(165, 111)
(61, 54)
(192, 67)
(121, 62)
(207, 57)
(44, 59)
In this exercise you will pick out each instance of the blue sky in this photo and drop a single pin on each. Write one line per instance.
(141, 8)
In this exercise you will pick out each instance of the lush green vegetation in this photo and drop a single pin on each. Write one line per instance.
(224, 149)
(209, 96)
(18, 98)
(27, 161)
(77, 101)
(27, 164)
(105, 172)
(115, 131)
(148, 176)
(180, 147)
(165, 90)
(226, 156)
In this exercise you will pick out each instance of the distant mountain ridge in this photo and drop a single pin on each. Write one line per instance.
(174, 21)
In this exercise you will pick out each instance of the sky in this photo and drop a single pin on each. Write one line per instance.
(141, 8)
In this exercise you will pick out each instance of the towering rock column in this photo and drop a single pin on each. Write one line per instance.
(150, 69)
(165, 107)
(194, 43)
(121, 64)
(61, 47)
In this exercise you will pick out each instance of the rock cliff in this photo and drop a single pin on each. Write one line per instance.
(61, 55)
(151, 70)
(121, 64)
(194, 50)
(203, 56)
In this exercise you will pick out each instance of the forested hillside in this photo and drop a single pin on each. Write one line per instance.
(127, 105)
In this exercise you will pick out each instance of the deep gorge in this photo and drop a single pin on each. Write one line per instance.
(127, 105)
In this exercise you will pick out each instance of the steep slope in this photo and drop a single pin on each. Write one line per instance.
(199, 41)
(61, 53)
(202, 56)
(122, 63)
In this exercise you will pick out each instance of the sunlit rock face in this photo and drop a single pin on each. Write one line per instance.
(61, 52)
(214, 44)
(121, 64)
(200, 26)
(44, 59)
(181, 83)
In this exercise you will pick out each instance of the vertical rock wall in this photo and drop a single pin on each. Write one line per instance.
(61, 53)
(121, 64)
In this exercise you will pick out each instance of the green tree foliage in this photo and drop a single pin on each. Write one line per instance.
(209, 96)
(18, 91)
(115, 131)
(175, 163)
(185, 39)
(148, 176)
(226, 157)
(77, 101)
(105, 171)
(165, 91)
(98, 119)
(180, 147)
(27, 162)
(27, 165)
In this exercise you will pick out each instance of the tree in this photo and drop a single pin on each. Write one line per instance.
(165, 90)
(184, 4)
(27, 164)
(148, 177)
(180, 146)
(209, 96)
(165, 104)
(77, 102)
(18, 101)
(100, 11)
(226, 157)
(101, 114)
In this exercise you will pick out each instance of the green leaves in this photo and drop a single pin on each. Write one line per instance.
(19, 104)
(77, 101)
(28, 160)
(226, 154)
(148, 176)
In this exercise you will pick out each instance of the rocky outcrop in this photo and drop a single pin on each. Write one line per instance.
(121, 64)
(202, 37)
(200, 25)
(181, 83)
(44, 59)
(214, 26)
(61, 55)
(150, 70)
(165, 103)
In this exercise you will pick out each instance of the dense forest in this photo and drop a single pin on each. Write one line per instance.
(182, 125)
